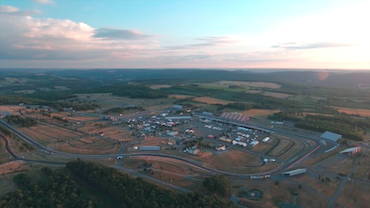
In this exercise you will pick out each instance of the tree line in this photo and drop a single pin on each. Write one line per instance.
(137, 192)
(22, 122)
(55, 190)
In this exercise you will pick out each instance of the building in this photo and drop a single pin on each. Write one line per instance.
(179, 118)
(207, 113)
(235, 116)
(239, 143)
(351, 151)
(178, 107)
(266, 139)
(331, 136)
(254, 143)
(295, 172)
(150, 148)
(225, 139)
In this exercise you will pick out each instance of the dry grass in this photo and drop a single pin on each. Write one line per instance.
(283, 146)
(345, 166)
(233, 161)
(12, 166)
(93, 149)
(277, 95)
(7, 184)
(156, 87)
(315, 160)
(211, 100)
(262, 148)
(361, 112)
(363, 170)
(252, 84)
(282, 192)
(177, 180)
(355, 195)
(324, 187)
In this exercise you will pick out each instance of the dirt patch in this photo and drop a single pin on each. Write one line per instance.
(361, 112)
(277, 95)
(211, 100)
(363, 170)
(13, 166)
(252, 84)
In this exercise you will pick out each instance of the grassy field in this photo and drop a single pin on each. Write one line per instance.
(254, 91)
(355, 194)
(211, 100)
(282, 193)
(363, 170)
(282, 147)
(233, 161)
(4, 155)
(108, 100)
(277, 95)
(327, 188)
(25, 91)
(314, 161)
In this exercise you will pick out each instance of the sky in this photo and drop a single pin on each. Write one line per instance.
(305, 34)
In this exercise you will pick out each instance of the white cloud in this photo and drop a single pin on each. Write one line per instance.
(44, 1)
(8, 9)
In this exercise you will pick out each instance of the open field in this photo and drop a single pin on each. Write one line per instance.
(344, 166)
(96, 148)
(363, 170)
(281, 148)
(277, 95)
(252, 84)
(25, 91)
(178, 180)
(282, 193)
(355, 194)
(361, 112)
(4, 155)
(314, 161)
(132, 163)
(233, 161)
(12, 166)
(263, 148)
(108, 100)
(211, 100)
(62, 88)
(254, 91)
(156, 87)
(327, 188)
(7, 184)
(53, 132)
(219, 86)
(258, 112)
(92, 143)
(175, 96)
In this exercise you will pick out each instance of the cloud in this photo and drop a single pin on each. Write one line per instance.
(295, 46)
(10, 10)
(208, 42)
(119, 34)
(44, 1)
(25, 37)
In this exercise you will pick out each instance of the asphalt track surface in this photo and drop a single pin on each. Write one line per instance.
(40, 147)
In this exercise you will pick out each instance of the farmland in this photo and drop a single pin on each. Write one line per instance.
(355, 194)
(252, 84)
(211, 100)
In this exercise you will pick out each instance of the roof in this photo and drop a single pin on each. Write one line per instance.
(349, 150)
(178, 117)
(149, 148)
(331, 136)
(177, 106)
(297, 171)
